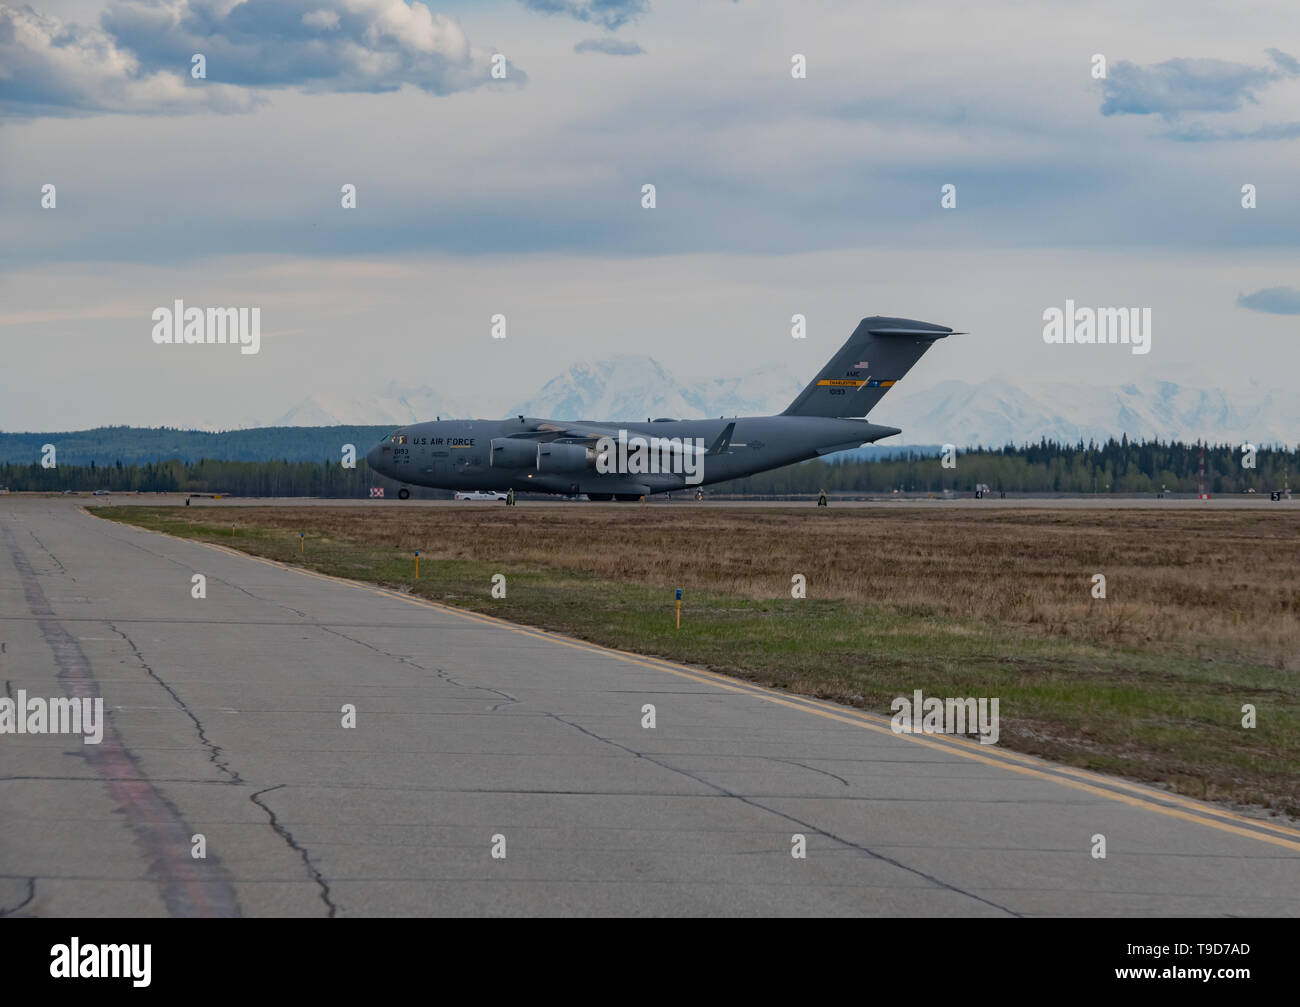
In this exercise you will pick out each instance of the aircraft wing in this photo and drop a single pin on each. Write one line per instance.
(576, 431)
(595, 431)
(545, 431)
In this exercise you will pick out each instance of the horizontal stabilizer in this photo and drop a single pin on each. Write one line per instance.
(922, 333)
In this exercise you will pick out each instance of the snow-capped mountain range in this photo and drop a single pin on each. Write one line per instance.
(996, 411)
(999, 411)
(639, 388)
(393, 404)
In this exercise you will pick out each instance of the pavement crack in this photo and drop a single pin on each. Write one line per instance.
(509, 699)
(214, 577)
(325, 894)
(46, 549)
(257, 597)
(161, 833)
(378, 650)
(807, 826)
(214, 750)
(440, 672)
(31, 894)
(811, 769)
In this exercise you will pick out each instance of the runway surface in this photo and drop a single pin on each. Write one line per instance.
(225, 722)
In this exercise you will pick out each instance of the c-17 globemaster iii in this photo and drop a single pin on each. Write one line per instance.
(625, 461)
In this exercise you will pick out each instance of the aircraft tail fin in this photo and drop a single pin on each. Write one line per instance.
(873, 360)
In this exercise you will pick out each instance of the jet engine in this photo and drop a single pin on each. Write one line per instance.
(513, 453)
(556, 457)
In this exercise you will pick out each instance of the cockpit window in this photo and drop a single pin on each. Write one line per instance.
(399, 438)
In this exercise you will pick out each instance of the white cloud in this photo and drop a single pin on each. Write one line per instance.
(48, 67)
(138, 59)
(326, 20)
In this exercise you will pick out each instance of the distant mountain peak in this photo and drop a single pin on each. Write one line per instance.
(995, 411)
(394, 405)
(634, 387)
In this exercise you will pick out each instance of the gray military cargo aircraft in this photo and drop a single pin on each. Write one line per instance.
(625, 461)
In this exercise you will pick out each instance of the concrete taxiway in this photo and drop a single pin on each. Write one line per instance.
(474, 736)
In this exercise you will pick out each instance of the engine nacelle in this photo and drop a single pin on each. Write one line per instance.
(513, 453)
(556, 457)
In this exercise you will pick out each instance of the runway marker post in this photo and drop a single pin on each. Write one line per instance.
(302, 542)
(417, 564)
(679, 608)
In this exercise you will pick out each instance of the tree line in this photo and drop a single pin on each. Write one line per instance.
(141, 445)
(237, 478)
(1116, 466)
(1121, 466)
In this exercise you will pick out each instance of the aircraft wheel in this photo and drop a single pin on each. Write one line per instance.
(403, 494)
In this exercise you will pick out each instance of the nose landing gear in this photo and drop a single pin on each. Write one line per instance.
(403, 494)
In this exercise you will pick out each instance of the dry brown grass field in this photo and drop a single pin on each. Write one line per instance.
(1217, 584)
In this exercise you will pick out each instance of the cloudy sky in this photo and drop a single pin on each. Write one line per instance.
(522, 196)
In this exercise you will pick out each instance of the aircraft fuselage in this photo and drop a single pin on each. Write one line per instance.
(460, 455)
(606, 460)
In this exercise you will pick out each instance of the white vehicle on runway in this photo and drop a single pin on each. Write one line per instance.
(480, 495)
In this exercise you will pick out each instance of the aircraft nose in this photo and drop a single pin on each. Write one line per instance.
(372, 458)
